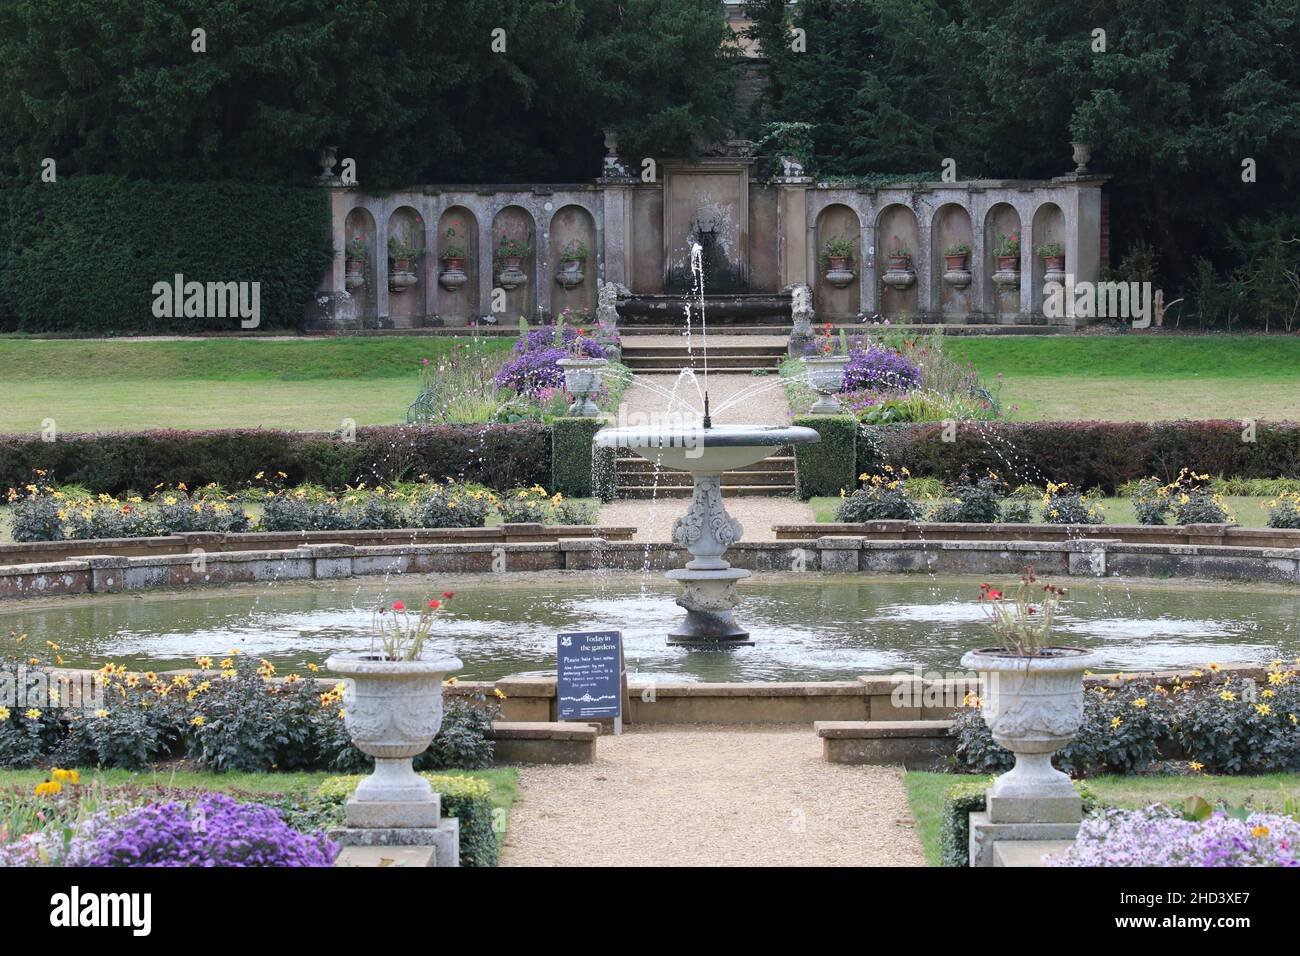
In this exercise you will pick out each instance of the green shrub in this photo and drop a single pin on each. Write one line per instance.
(462, 742)
(978, 503)
(830, 465)
(120, 237)
(1062, 504)
(498, 456)
(1151, 502)
(882, 497)
(466, 798)
(572, 455)
(1236, 727)
(1284, 511)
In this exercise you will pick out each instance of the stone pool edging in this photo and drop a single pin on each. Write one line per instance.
(91, 572)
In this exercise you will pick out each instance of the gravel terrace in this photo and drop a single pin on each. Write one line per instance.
(706, 795)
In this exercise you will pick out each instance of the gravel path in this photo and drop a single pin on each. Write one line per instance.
(654, 519)
(737, 795)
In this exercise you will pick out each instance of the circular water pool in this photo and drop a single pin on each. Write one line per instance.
(806, 627)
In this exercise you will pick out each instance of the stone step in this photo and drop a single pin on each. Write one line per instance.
(716, 363)
(1027, 852)
(755, 370)
(631, 331)
(684, 491)
(727, 348)
(915, 744)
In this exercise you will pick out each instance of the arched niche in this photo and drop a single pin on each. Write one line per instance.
(407, 299)
(1049, 227)
(515, 223)
(359, 226)
(1001, 288)
(572, 228)
(838, 296)
(897, 229)
(456, 291)
(952, 287)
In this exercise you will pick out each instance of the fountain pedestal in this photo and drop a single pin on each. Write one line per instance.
(706, 530)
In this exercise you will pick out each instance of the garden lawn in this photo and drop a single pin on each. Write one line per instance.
(309, 384)
(925, 795)
(1139, 377)
(1248, 512)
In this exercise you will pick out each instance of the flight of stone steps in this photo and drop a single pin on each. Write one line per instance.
(725, 356)
(770, 478)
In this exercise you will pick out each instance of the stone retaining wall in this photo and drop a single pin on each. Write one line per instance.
(1098, 557)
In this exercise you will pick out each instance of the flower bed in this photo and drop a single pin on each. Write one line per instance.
(232, 716)
(1216, 722)
(1160, 836)
(43, 512)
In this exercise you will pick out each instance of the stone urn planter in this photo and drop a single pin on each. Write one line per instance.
(1034, 707)
(900, 274)
(826, 378)
(1008, 272)
(511, 275)
(355, 274)
(401, 276)
(582, 379)
(453, 274)
(1053, 268)
(570, 275)
(392, 711)
(839, 274)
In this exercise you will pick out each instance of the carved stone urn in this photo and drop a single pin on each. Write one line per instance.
(392, 711)
(582, 379)
(355, 275)
(511, 275)
(453, 274)
(1034, 707)
(706, 530)
(826, 378)
(401, 276)
(900, 273)
(570, 275)
(839, 274)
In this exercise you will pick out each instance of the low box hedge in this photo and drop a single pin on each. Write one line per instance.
(572, 455)
(466, 798)
(1084, 454)
(827, 466)
(499, 456)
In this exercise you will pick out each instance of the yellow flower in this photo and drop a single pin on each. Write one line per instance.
(4, 713)
(1215, 668)
(32, 714)
(1263, 710)
(227, 664)
(204, 662)
(500, 695)
(342, 713)
(1115, 723)
(198, 721)
(1196, 766)
(1266, 694)
(1293, 718)
(48, 789)
(66, 776)
(1140, 703)
(1259, 831)
(101, 713)
(1228, 695)
(314, 668)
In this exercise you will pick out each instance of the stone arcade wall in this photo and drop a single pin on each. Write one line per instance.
(771, 234)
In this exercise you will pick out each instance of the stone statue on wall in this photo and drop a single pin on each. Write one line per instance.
(801, 312)
(607, 296)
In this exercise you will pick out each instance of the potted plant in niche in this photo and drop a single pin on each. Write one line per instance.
(510, 253)
(402, 254)
(356, 254)
(956, 255)
(828, 355)
(1007, 252)
(1032, 698)
(572, 256)
(837, 258)
(1053, 256)
(900, 274)
(453, 274)
(392, 700)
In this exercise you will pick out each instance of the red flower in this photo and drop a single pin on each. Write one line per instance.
(434, 605)
(995, 594)
(399, 606)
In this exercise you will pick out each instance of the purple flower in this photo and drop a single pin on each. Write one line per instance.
(543, 339)
(215, 830)
(1157, 836)
(531, 371)
(880, 369)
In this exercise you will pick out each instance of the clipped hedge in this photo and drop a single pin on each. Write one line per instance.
(572, 455)
(830, 464)
(83, 254)
(1084, 454)
(466, 798)
(499, 456)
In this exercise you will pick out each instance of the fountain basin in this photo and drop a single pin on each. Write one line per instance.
(706, 530)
